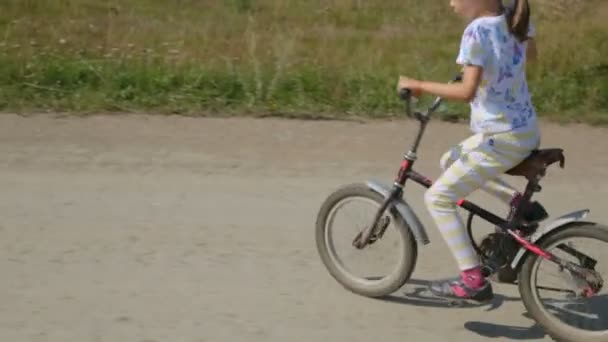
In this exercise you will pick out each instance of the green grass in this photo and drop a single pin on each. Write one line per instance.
(290, 57)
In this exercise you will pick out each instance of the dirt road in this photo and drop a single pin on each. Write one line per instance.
(148, 228)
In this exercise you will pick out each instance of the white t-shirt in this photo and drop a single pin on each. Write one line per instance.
(502, 102)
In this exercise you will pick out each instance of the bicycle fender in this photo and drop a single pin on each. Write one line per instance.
(576, 216)
(405, 211)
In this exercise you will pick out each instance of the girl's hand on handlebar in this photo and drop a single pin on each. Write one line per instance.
(411, 84)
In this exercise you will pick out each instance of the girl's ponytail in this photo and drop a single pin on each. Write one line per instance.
(518, 19)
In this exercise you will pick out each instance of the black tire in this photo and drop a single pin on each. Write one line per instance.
(386, 285)
(558, 330)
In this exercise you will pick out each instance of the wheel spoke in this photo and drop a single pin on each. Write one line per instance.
(548, 288)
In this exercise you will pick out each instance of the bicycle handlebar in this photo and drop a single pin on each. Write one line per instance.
(406, 95)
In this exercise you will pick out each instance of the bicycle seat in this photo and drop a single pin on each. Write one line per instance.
(537, 162)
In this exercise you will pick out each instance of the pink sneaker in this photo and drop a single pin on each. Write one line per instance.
(471, 285)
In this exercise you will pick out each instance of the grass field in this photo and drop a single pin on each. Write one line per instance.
(289, 58)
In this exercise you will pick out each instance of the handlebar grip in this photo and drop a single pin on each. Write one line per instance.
(458, 78)
(405, 94)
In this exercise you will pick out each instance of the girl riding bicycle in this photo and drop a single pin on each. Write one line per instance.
(494, 50)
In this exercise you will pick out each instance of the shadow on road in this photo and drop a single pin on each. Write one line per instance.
(507, 331)
(419, 295)
(589, 316)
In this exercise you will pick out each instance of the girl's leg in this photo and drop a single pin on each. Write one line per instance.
(511, 143)
(500, 189)
(495, 187)
(491, 157)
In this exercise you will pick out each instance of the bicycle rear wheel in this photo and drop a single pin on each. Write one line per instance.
(566, 306)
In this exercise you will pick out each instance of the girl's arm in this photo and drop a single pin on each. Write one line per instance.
(464, 91)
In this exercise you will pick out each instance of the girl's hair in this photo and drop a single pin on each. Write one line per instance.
(518, 19)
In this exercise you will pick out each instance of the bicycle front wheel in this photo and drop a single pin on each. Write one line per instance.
(378, 269)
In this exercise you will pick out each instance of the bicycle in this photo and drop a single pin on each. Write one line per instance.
(514, 251)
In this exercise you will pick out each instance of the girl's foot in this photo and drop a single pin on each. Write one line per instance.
(471, 285)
